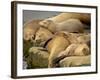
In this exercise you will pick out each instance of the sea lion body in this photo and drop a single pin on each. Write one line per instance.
(70, 25)
(55, 46)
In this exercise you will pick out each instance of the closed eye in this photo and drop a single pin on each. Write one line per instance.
(40, 35)
(45, 22)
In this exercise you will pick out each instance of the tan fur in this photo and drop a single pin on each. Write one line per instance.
(70, 25)
(65, 44)
(43, 34)
(55, 46)
(72, 37)
(77, 37)
(84, 17)
(82, 49)
(74, 50)
(30, 29)
(75, 61)
(85, 38)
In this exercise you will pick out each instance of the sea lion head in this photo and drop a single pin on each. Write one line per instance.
(43, 35)
(49, 24)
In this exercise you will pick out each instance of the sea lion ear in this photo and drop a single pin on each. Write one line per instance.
(56, 33)
(59, 33)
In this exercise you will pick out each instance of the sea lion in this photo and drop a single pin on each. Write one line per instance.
(57, 44)
(30, 29)
(75, 61)
(42, 35)
(83, 17)
(70, 25)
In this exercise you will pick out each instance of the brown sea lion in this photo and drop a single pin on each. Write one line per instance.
(84, 17)
(30, 29)
(70, 25)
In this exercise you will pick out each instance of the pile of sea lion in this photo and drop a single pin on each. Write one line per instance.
(66, 38)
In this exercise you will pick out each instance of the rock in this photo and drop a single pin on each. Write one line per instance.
(26, 46)
(25, 65)
(74, 61)
(38, 58)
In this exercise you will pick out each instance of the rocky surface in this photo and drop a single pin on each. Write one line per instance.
(38, 58)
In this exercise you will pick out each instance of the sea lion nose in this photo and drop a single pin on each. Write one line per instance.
(33, 37)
